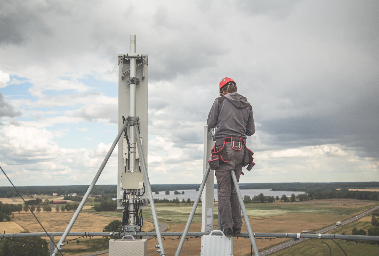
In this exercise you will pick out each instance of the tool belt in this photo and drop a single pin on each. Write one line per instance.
(237, 143)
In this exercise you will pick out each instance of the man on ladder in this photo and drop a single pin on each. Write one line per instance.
(232, 116)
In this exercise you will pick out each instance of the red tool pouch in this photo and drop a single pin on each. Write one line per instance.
(248, 159)
(214, 162)
(218, 157)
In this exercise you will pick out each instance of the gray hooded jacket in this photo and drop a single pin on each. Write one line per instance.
(233, 117)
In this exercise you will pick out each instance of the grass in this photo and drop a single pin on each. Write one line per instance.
(316, 247)
(352, 248)
(174, 213)
(83, 246)
(165, 212)
(58, 221)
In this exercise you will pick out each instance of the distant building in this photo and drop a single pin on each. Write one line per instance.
(55, 194)
(74, 194)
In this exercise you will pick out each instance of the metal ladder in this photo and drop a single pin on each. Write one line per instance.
(240, 199)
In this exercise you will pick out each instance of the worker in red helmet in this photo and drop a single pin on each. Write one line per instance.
(232, 116)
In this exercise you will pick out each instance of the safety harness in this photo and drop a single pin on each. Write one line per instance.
(237, 143)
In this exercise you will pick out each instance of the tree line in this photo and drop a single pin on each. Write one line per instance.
(306, 186)
(6, 210)
(175, 201)
(261, 198)
(343, 193)
(8, 192)
(107, 205)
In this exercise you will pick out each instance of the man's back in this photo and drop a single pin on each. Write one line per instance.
(232, 115)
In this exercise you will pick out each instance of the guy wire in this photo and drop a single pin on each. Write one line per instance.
(30, 209)
(339, 247)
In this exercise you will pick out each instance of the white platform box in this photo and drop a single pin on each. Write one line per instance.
(128, 246)
(216, 243)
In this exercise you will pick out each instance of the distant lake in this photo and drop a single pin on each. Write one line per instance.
(191, 194)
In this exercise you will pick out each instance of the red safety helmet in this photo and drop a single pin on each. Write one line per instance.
(224, 81)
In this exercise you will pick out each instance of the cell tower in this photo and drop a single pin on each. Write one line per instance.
(133, 186)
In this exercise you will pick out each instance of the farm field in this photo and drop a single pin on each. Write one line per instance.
(264, 218)
(269, 218)
(57, 221)
(318, 247)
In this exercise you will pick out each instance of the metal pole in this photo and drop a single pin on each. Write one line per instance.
(208, 195)
(76, 214)
(218, 218)
(147, 185)
(51, 245)
(192, 213)
(132, 109)
(132, 113)
(261, 235)
(247, 222)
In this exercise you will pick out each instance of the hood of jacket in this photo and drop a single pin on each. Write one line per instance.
(237, 100)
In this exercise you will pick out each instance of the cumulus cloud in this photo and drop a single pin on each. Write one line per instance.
(4, 79)
(6, 109)
(31, 154)
(169, 163)
(328, 150)
(324, 163)
(309, 69)
(97, 112)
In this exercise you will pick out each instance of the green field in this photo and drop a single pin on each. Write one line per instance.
(178, 213)
(316, 247)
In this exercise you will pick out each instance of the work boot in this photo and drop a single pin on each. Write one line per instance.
(228, 232)
(236, 231)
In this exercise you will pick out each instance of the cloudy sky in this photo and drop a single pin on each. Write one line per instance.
(310, 69)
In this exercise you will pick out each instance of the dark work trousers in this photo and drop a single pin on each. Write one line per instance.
(228, 205)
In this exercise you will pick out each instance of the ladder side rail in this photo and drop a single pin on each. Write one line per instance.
(247, 222)
(147, 185)
(179, 249)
